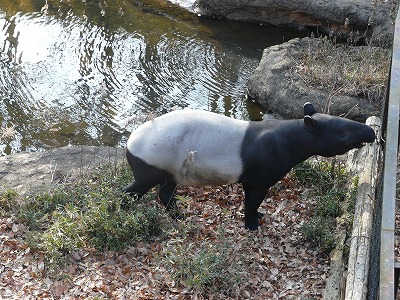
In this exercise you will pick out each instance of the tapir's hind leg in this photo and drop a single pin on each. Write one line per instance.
(252, 201)
(168, 198)
(146, 176)
(137, 188)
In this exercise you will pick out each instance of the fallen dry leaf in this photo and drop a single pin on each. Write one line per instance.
(276, 264)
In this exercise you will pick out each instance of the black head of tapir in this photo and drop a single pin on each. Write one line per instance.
(194, 147)
(339, 134)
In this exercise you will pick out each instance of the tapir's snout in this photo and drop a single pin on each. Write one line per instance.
(367, 136)
(370, 135)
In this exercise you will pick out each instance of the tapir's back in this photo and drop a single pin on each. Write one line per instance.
(202, 147)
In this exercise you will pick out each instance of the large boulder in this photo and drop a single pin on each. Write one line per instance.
(30, 172)
(326, 15)
(276, 87)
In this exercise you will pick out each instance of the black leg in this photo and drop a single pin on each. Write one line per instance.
(137, 188)
(252, 201)
(146, 176)
(168, 198)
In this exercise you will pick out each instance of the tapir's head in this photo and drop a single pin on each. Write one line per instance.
(335, 135)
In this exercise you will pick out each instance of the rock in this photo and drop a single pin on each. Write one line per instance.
(31, 171)
(275, 87)
(190, 5)
(326, 15)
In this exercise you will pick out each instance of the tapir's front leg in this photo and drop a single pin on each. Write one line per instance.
(252, 201)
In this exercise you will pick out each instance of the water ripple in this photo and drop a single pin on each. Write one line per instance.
(77, 75)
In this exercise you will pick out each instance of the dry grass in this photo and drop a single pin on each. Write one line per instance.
(345, 69)
(7, 132)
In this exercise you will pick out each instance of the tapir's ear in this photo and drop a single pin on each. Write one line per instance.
(309, 109)
(309, 123)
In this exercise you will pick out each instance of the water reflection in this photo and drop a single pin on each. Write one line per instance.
(87, 73)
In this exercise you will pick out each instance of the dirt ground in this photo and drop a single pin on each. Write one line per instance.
(274, 261)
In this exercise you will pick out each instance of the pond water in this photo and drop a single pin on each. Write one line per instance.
(88, 72)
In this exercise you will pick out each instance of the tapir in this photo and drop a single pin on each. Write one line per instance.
(200, 148)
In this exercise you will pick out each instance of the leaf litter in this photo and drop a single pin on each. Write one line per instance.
(274, 262)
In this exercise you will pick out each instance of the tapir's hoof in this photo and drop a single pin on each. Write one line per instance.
(251, 224)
